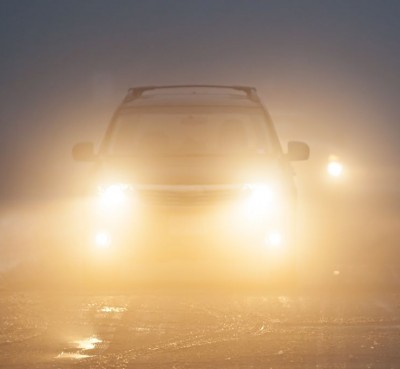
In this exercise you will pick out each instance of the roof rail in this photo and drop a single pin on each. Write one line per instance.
(136, 92)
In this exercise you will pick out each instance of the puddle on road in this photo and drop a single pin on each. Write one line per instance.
(112, 309)
(72, 355)
(142, 329)
(80, 348)
(88, 343)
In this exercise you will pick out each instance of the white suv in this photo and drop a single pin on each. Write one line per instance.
(191, 172)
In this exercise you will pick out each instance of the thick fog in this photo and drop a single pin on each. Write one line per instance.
(326, 71)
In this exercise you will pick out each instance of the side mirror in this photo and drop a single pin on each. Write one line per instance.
(83, 151)
(297, 151)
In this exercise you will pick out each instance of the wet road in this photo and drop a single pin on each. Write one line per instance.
(150, 330)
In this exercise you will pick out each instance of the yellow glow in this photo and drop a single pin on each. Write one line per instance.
(114, 194)
(335, 168)
(262, 194)
(261, 200)
(274, 239)
(102, 239)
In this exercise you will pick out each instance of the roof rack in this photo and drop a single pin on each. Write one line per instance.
(136, 92)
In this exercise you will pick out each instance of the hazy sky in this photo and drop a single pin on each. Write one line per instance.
(327, 70)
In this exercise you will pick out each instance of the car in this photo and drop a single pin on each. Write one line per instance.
(195, 174)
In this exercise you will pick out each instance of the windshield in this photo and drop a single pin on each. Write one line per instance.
(190, 131)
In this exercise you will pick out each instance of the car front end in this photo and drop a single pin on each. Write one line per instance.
(193, 184)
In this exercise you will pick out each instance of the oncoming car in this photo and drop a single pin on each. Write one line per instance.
(190, 173)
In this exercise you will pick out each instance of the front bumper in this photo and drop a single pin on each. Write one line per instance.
(134, 231)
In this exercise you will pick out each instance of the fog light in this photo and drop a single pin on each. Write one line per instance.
(274, 239)
(102, 239)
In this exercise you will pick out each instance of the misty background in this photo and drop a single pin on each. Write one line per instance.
(327, 71)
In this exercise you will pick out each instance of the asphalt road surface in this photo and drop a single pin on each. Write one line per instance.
(181, 330)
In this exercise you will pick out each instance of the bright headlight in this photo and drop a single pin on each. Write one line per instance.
(261, 194)
(116, 193)
(262, 199)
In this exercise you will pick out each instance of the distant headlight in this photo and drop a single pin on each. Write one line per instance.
(114, 194)
(335, 168)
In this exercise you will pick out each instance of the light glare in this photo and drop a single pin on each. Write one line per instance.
(262, 194)
(261, 201)
(103, 239)
(114, 194)
(274, 239)
(88, 343)
(335, 169)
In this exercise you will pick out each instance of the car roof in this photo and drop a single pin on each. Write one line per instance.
(191, 95)
(191, 100)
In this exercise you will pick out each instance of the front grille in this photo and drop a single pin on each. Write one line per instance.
(188, 198)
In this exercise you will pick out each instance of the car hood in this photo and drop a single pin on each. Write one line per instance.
(188, 171)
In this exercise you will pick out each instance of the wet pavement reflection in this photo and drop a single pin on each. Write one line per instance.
(199, 331)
